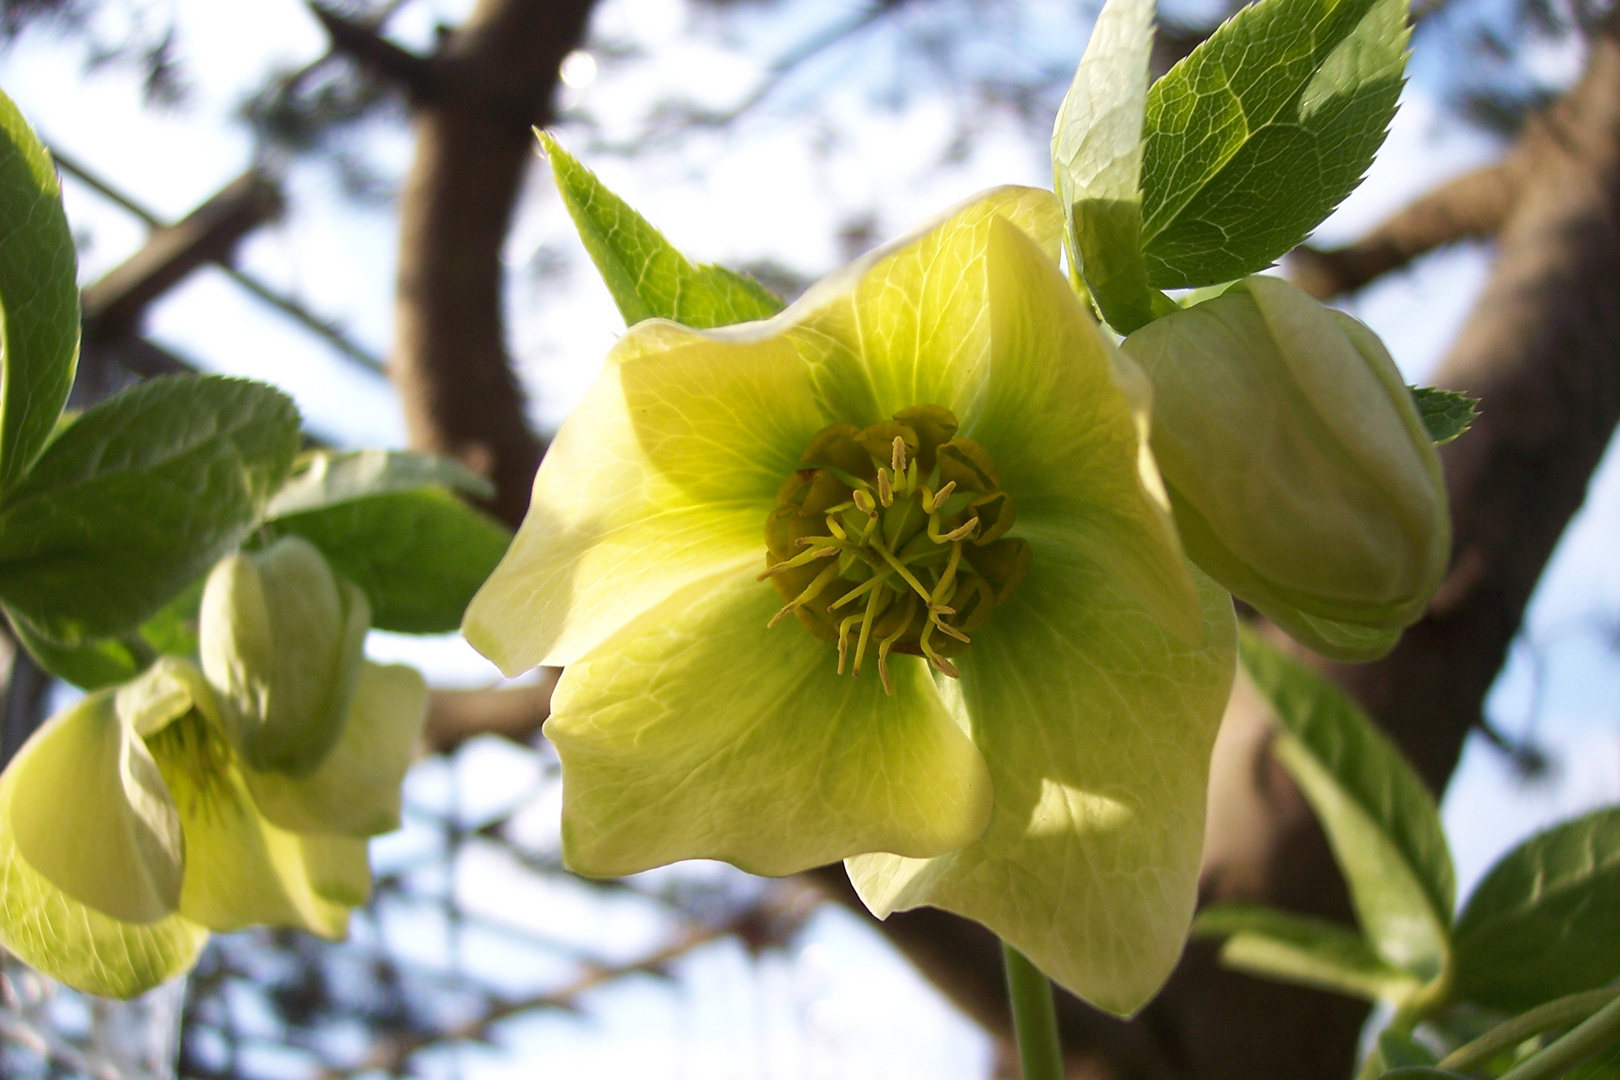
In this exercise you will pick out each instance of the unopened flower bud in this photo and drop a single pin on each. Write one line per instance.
(1301, 475)
(281, 641)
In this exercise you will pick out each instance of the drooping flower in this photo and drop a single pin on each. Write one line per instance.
(137, 820)
(1001, 681)
(1343, 535)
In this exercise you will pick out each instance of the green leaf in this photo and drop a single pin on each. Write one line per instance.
(105, 661)
(418, 555)
(1257, 135)
(1380, 820)
(323, 478)
(1545, 922)
(646, 275)
(1303, 949)
(39, 297)
(1400, 1051)
(136, 498)
(91, 665)
(1097, 162)
(1446, 413)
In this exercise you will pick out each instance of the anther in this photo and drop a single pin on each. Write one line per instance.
(864, 503)
(897, 457)
(885, 489)
(933, 503)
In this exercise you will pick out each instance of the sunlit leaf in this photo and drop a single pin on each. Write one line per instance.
(647, 276)
(1257, 135)
(138, 497)
(1302, 949)
(39, 296)
(1380, 820)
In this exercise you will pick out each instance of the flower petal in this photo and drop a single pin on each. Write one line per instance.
(913, 313)
(92, 815)
(240, 869)
(662, 476)
(1069, 440)
(79, 945)
(355, 789)
(698, 733)
(1097, 727)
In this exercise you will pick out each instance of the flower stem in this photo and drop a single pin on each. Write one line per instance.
(1034, 1018)
(1597, 1033)
(1554, 1014)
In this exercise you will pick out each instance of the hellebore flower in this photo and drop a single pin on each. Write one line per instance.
(1343, 536)
(136, 821)
(999, 697)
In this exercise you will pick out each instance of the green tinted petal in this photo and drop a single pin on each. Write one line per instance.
(282, 639)
(1069, 440)
(355, 790)
(92, 815)
(79, 945)
(698, 733)
(1097, 728)
(240, 869)
(913, 314)
(663, 475)
(339, 867)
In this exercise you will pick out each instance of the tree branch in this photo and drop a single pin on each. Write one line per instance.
(1472, 205)
(361, 42)
(454, 716)
(496, 76)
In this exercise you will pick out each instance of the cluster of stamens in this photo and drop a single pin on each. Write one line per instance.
(891, 539)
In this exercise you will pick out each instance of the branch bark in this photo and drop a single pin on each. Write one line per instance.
(1472, 205)
(492, 80)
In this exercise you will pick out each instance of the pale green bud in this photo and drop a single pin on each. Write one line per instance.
(281, 641)
(1301, 475)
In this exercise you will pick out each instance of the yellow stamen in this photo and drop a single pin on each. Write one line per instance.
(811, 591)
(934, 658)
(885, 489)
(843, 639)
(887, 643)
(900, 568)
(897, 456)
(860, 590)
(867, 619)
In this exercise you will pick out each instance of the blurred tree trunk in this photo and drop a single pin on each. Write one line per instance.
(1542, 350)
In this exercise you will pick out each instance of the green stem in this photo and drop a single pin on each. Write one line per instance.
(1554, 1014)
(1034, 1018)
(1595, 1034)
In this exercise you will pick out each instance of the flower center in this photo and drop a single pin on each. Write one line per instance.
(892, 539)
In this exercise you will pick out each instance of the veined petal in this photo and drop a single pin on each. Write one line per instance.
(696, 732)
(1071, 443)
(92, 816)
(76, 944)
(913, 314)
(355, 789)
(1097, 727)
(240, 869)
(663, 475)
